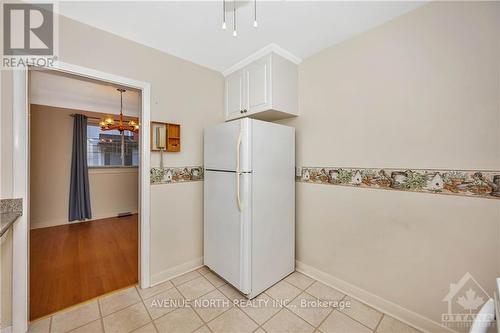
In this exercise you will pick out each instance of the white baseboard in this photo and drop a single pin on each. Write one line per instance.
(36, 224)
(406, 316)
(7, 329)
(175, 271)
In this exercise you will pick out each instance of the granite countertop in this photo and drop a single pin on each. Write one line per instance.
(6, 219)
(10, 210)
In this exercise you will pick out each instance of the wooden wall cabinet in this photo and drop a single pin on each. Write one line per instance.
(171, 133)
(173, 137)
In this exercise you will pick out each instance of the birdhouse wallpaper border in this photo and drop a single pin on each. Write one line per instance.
(484, 184)
(472, 183)
(169, 175)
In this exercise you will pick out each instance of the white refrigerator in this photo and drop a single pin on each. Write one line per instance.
(249, 203)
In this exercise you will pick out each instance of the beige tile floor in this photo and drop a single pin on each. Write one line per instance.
(200, 301)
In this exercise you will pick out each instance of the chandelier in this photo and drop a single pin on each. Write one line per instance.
(108, 123)
(224, 26)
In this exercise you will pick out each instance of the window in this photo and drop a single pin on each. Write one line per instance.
(111, 148)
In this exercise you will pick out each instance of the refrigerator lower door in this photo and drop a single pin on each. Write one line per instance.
(227, 229)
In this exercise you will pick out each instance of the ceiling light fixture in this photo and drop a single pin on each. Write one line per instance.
(223, 14)
(108, 123)
(234, 5)
(255, 25)
(234, 19)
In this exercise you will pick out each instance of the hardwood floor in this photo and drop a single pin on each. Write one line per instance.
(73, 263)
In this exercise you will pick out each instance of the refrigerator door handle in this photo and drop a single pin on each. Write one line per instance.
(238, 199)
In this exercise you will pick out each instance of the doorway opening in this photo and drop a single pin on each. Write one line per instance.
(76, 258)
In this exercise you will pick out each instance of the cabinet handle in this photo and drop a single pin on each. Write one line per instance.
(245, 110)
(241, 111)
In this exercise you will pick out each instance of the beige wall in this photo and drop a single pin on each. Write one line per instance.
(179, 226)
(113, 191)
(51, 148)
(182, 92)
(421, 91)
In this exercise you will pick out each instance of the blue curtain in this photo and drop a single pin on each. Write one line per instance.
(79, 192)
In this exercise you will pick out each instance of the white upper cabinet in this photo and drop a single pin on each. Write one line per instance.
(234, 94)
(258, 78)
(265, 88)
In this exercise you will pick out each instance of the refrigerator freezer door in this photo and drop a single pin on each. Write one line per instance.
(227, 227)
(221, 146)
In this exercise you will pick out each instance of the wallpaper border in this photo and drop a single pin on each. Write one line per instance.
(169, 175)
(470, 183)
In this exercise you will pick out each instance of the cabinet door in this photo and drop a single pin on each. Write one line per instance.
(258, 80)
(234, 95)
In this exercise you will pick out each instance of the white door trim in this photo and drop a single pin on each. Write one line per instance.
(20, 163)
(21, 180)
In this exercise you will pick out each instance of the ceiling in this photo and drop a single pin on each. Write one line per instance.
(74, 92)
(192, 29)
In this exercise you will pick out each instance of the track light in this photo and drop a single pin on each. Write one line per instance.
(255, 25)
(234, 19)
(223, 14)
(224, 24)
